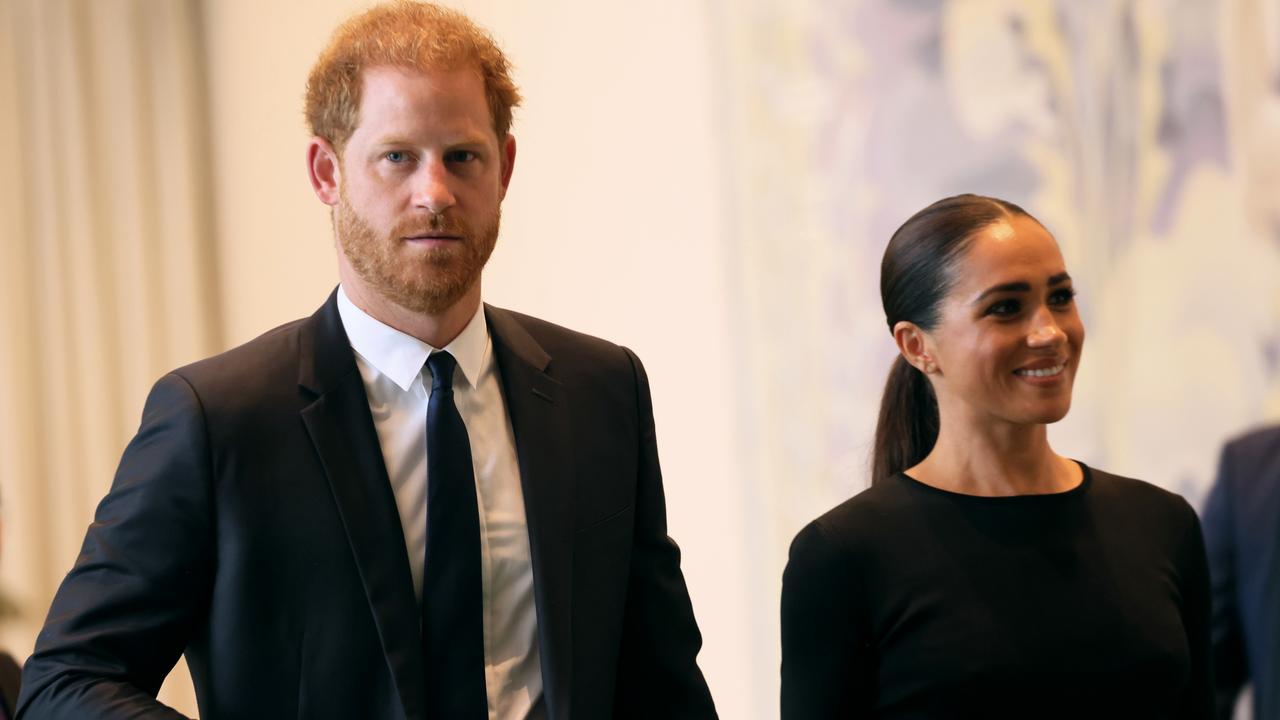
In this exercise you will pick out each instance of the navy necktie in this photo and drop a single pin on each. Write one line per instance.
(452, 620)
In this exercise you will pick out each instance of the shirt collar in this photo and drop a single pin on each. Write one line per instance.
(401, 357)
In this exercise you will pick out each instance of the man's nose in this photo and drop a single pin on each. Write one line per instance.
(432, 190)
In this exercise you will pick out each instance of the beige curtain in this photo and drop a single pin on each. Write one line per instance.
(107, 273)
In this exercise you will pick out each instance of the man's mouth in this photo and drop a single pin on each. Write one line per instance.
(428, 237)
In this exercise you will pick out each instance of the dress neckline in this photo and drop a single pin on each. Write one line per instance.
(1080, 489)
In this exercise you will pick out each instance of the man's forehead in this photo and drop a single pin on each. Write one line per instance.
(401, 105)
(399, 89)
(434, 74)
(393, 85)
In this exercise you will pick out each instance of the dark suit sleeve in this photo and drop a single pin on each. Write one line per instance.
(1198, 700)
(825, 661)
(1229, 665)
(125, 612)
(658, 675)
(10, 678)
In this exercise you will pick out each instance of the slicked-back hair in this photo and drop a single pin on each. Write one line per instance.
(916, 274)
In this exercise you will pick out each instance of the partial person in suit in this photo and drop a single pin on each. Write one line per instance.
(982, 575)
(1242, 534)
(10, 672)
(10, 683)
(410, 504)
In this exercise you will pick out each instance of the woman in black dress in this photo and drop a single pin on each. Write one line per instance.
(982, 575)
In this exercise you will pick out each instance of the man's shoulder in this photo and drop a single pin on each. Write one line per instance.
(548, 332)
(1249, 471)
(271, 376)
(1258, 446)
(265, 356)
(563, 345)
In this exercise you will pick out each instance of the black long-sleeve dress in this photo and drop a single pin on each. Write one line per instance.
(907, 601)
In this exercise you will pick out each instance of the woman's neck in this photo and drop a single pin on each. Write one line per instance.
(996, 460)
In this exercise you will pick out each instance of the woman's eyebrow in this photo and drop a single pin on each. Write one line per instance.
(1020, 286)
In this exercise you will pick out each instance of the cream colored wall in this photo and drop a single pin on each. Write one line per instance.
(615, 225)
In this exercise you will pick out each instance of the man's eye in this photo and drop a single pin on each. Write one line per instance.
(459, 156)
(396, 156)
(1004, 308)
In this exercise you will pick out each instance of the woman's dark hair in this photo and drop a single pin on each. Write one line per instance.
(916, 274)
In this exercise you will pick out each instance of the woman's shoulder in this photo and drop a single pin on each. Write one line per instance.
(832, 551)
(1110, 484)
(1129, 493)
(866, 515)
(1146, 521)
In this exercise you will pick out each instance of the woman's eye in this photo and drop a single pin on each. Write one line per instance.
(1005, 308)
(1063, 296)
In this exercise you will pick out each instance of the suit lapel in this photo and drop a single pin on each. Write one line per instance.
(539, 415)
(342, 431)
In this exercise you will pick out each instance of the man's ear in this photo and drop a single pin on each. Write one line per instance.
(915, 345)
(325, 169)
(508, 152)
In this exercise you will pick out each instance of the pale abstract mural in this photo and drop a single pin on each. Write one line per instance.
(1144, 134)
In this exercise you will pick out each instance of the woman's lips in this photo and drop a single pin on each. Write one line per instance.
(1041, 371)
(1046, 372)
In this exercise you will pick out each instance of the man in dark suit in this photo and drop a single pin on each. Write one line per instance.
(10, 677)
(1242, 536)
(410, 504)
(10, 673)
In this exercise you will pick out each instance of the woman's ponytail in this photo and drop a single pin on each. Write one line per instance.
(908, 424)
(915, 276)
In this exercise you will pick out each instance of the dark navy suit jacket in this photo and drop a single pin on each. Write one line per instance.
(252, 527)
(1242, 536)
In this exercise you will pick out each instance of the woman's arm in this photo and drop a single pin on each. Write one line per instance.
(826, 657)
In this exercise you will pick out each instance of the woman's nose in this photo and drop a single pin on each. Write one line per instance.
(1046, 333)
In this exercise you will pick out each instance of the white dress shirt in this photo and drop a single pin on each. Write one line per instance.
(397, 383)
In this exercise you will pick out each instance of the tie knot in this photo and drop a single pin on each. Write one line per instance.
(442, 365)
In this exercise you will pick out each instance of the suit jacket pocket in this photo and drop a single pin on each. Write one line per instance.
(597, 525)
(601, 568)
(602, 551)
